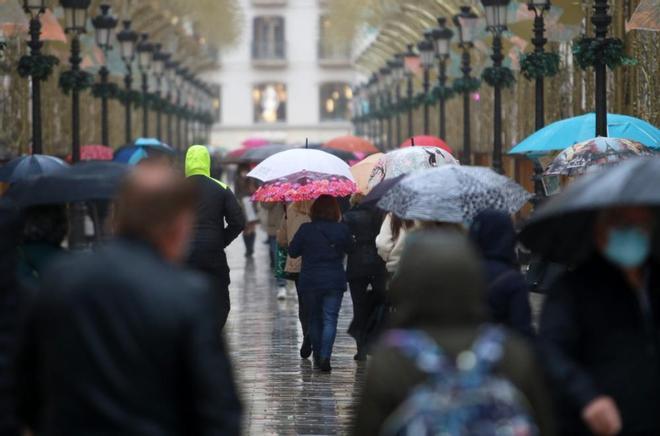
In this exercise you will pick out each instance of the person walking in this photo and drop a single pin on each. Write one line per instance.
(245, 187)
(296, 215)
(508, 294)
(273, 214)
(440, 293)
(322, 245)
(123, 340)
(390, 240)
(599, 331)
(216, 205)
(367, 276)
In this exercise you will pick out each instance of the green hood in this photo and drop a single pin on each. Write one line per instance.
(198, 163)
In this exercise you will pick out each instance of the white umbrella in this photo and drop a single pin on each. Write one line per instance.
(303, 160)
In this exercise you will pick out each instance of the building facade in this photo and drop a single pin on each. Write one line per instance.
(285, 80)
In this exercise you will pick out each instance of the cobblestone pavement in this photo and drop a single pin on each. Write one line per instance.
(281, 393)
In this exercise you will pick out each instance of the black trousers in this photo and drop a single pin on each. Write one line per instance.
(368, 308)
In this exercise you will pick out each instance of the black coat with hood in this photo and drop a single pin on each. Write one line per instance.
(508, 294)
(364, 224)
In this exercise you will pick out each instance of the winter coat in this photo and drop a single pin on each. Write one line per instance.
(273, 214)
(120, 341)
(441, 292)
(508, 294)
(288, 229)
(595, 341)
(364, 224)
(217, 204)
(389, 249)
(322, 246)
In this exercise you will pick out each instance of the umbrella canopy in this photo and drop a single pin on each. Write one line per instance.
(255, 155)
(95, 180)
(304, 186)
(123, 154)
(95, 152)
(562, 134)
(560, 230)
(454, 194)
(300, 160)
(255, 142)
(362, 171)
(25, 167)
(645, 17)
(351, 144)
(380, 190)
(407, 160)
(154, 143)
(426, 141)
(585, 156)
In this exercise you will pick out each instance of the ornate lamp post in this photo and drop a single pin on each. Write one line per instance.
(187, 94)
(145, 50)
(127, 42)
(180, 79)
(465, 22)
(35, 8)
(398, 73)
(104, 24)
(496, 19)
(410, 62)
(442, 37)
(159, 60)
(384, 81)
(365, 110)
(374, 91)
(170, 78)
(601, 21)
(427, 55)
(539, 7)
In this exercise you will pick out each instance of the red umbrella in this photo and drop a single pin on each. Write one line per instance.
(352, 144)
(255, 142)
(427, 141)
(94, 152)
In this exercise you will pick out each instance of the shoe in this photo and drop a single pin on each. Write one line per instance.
(317, 361)
(325, 365)
(281, 293)
(306, 349)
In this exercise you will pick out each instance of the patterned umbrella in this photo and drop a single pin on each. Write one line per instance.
(407, 160)
(583, 157)
(362, 171)
(454, 194)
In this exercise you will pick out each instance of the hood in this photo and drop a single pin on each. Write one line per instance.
(493, 233)
(439, 282)
(198, 161)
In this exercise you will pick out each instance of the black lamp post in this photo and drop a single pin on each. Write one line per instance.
(496, 19)
(539, 7)
(376, 98)
(159, 60)
(127, 41)
(465, 22)
(410, 60)
(170, 77)
(186, 91)
(145, 51)
(601, 21)
(180, 80)
(442, 38)
(356, 110)
(427, 55)
(365, 110)
(385, 82)
(104, 24)
(35, 8)
(398, 74)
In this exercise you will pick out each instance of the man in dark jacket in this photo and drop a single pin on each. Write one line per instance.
(508, 295)
(217, 204)
(599, 332)
(122, 341)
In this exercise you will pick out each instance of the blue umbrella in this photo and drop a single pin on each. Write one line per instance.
(29, 166)
(154, 144)
(565, 133)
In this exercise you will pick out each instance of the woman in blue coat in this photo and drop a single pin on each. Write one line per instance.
(322, 244)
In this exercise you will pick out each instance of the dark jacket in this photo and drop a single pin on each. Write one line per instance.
(122, 342)
(217, 204)
(441, 292)
(364, 224)
(508, 294)
(322, 246)
(595, 342)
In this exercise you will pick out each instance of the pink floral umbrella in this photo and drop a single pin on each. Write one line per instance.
(304, 186)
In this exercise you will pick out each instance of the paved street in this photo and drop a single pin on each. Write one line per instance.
(282, 395)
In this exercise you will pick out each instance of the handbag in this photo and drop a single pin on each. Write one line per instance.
(281, 256)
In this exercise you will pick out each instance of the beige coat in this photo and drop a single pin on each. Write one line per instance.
(389, 249)
(271, 215)
(290, 225)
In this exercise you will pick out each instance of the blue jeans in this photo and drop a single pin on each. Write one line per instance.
(272, 241)
(323, 309)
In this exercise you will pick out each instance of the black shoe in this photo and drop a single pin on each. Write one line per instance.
(325, 365)
(306, 349)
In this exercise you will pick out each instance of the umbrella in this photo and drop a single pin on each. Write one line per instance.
(380, 190)
(645, 17)
(346, 156)
(255, 142)
(562, 134)
(235, 156)
(583, 157)
(454, 194)
(407, 160)
(94, 180)
(123, 154)
(154, 143)
(259, 154)
(560, 230)
(426, 141)
(362, 171)
(351, 144)
(303, 186)
(300, 160)
(29, 166)
(95, 152)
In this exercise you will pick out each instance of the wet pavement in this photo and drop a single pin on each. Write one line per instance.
(282, 394)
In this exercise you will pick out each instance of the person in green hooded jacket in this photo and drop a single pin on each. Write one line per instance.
(217, 205)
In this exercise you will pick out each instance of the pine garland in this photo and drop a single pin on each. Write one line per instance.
(75, 80)
(587, 51)
(105, 90)
(470, 84)
(538, 65)
(443, 91)
(39, 67)
(498, 76)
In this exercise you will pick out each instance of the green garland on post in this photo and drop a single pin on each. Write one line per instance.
(538, 65)
(470, 84)
(443, 91)
(105, 90)
(40, 67)
(586, 51)
(498, 76)
(75, 80)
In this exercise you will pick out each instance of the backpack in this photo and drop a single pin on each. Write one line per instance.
(462, 398)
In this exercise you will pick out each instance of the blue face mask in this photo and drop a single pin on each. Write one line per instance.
(628, 247)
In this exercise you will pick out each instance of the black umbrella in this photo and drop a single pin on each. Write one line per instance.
(94, 180)
(256, 155)
(26, 167)
(380, 190)
(562, 228)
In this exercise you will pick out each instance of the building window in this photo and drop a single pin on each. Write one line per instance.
(269, 102)
(335, 100)
(268, 38)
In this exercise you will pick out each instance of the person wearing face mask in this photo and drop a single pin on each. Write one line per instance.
(599, 331)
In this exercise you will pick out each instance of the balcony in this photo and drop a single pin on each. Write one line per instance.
(269, 54)
(334, 55)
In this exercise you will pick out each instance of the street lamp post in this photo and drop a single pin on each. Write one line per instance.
(427, 54)
(465, 22)
(159, 60)
(103, 25)
(170, 77)
(145, 50)
(442, 37)
(601, 21)
(35, 8)
(410, 61)
(496, 20)
(378, 124)
(180, 79)
(384, 84)
(390, 81)
(398, 74)
(127, 40)
(539, 7)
